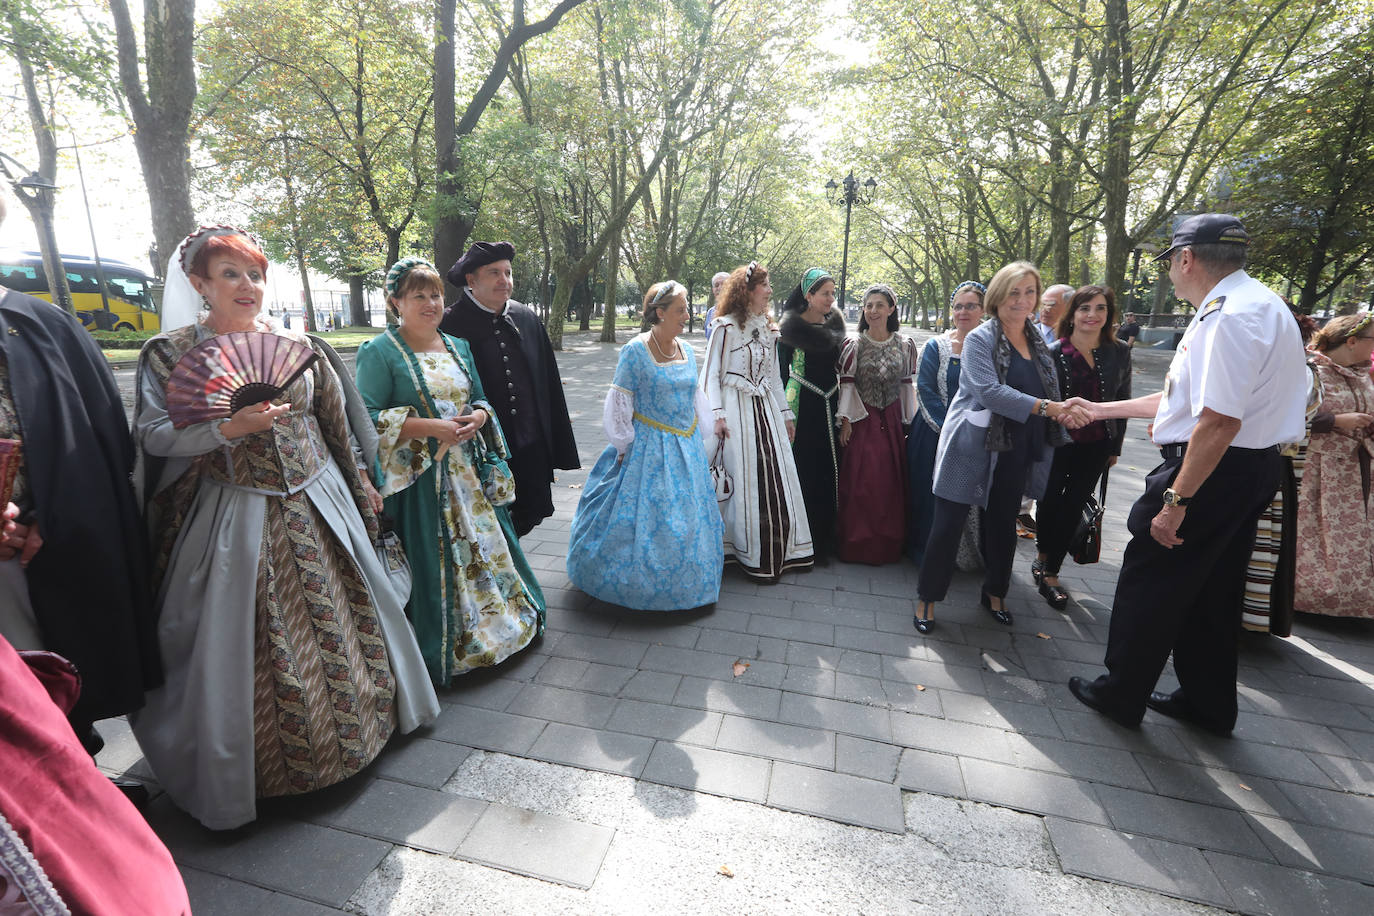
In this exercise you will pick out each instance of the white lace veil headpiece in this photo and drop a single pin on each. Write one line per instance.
(181, 304)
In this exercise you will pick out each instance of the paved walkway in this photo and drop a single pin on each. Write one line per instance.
(801, 747)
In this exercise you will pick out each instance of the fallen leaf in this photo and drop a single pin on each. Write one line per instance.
(920, 686)
(725, 870)
(739, 667)
(1245, 787)
(574, 486)
(1043, 635)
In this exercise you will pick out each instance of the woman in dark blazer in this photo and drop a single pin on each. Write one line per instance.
(1093, 365)
(997, 442)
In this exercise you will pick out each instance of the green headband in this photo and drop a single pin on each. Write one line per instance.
(813, 277)
(397, 273)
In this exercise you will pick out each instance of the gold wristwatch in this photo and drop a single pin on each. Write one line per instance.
(1171, 498)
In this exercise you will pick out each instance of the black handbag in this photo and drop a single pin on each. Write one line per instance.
(1086, 543)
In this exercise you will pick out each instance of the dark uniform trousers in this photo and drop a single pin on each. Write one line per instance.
(1187, 599)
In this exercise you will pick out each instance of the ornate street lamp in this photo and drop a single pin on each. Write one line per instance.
(846, 194)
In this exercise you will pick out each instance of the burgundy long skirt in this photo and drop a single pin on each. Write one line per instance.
(873, 488)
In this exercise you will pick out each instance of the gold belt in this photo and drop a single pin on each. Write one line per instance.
(650, 421)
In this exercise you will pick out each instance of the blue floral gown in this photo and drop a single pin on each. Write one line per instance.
(647, 534)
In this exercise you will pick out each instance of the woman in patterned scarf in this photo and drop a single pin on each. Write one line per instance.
(288, 656)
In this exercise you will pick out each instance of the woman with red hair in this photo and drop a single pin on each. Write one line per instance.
(288, 656)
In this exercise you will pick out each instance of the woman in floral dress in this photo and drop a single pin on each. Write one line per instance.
(474, 600)
(1335, 549)
(877, 402)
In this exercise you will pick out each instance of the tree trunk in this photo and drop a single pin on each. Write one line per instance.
(162, 113)
(357, 306)
(612, 289)
(1116, 170)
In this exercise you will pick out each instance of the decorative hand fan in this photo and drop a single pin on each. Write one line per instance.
(220, 376)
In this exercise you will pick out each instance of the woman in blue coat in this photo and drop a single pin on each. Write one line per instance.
(997, 442)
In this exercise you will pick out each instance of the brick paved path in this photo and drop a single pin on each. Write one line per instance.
(555, 765)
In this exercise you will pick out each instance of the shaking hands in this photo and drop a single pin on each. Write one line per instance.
(1075, 413)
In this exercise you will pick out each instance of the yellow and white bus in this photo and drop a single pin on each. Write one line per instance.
(129, 289)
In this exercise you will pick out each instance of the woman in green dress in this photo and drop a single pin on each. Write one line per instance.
(474, 600)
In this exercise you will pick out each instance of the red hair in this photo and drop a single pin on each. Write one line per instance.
(236, 246)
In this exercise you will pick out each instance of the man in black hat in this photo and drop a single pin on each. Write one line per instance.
(1237, 387)
(515, 359)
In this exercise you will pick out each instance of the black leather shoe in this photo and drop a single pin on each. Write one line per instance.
(1056, 596)
(1087, 695)
(1177, 708)
(1003, 616)
(925, 624)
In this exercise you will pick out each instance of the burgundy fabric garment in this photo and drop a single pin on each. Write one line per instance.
(873, 488)
(67, 818)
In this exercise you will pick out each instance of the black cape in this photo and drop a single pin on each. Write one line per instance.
(468, 320)
(89, 581)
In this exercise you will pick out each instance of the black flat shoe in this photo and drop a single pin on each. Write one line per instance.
(1178, 708)
(1056, 596)
(925, 624)
(1003, 616)
(1037, 571)
(1088, 694)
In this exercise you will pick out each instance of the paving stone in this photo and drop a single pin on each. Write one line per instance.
(1206, 826)
(777, 741)
(871, 641)
(213, 895)
(409, 815)
(811, 655)
(726, 696)
(795, 630)
(1305, 736)
(1262, 887)
(1284, 763)
(303, 860)
(1025, 718)
(831, 614)
(652, 686)
(675, 629)
(492, 731)
(923, 771)
(1078, 723)
(562, 672)
(1346, 774)
(870, 759)
(1083, 761)
(837, 796)
(712, 664)
(1175, 869)
(773, 649)
(1306, 846)
(924, 701)
(1213, 786)
(708, 770)
(419, 761)
(552, 848)
(863, 664)
(933, 674)
(674, 723)
(836, 716)
(1343, 810)
(815, 682)
(1031, 790)
(481, 688)
(858, 689)
(620, 652)
(953, 653)
(742, 645)
(558, 704)
(1336, 715)
(775, 605)
(592, 749)
(931, 734)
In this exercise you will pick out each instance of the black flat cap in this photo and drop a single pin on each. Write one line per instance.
(479, 255)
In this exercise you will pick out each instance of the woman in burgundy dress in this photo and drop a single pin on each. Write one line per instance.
(877, 402)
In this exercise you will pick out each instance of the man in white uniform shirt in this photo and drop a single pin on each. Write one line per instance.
(1237, 388)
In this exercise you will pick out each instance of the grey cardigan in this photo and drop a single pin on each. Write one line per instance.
(973, 434)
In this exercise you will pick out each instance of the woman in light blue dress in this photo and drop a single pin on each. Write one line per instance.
(647, 534)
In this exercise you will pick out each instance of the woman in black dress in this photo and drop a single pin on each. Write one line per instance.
(808, 350)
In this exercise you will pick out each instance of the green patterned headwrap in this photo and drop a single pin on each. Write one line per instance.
(813, 277)
(397, 273)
